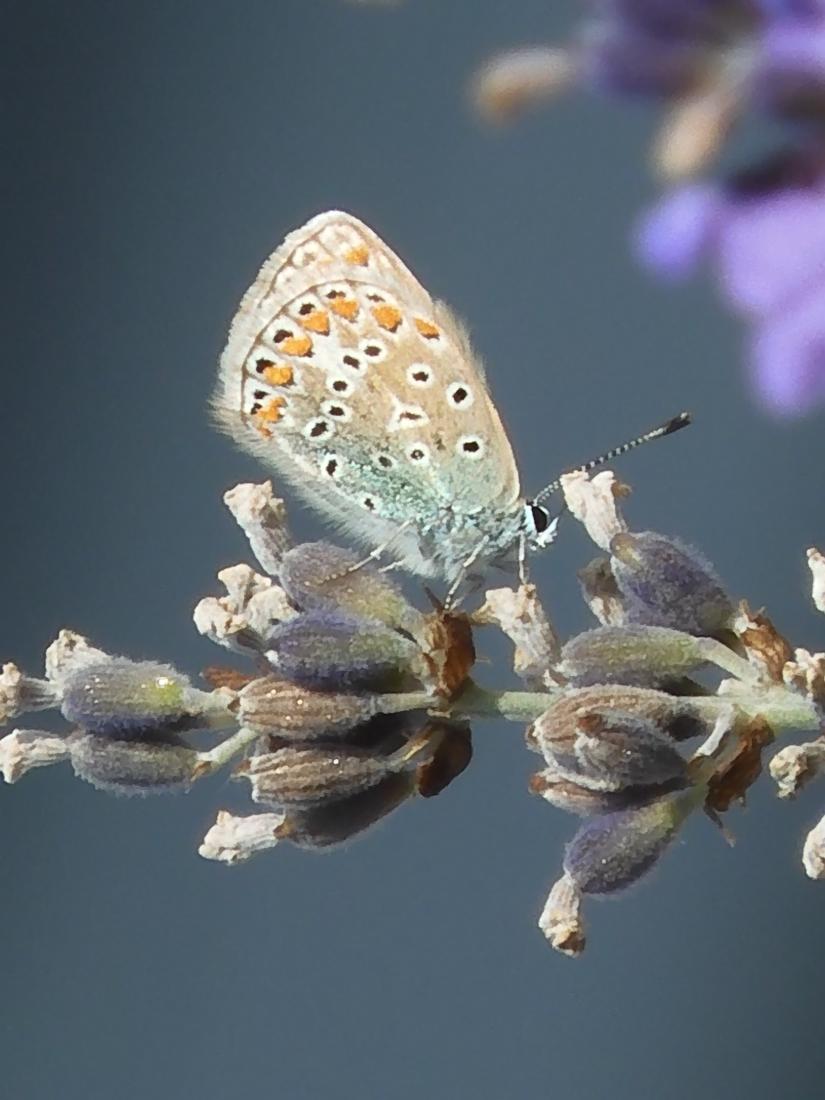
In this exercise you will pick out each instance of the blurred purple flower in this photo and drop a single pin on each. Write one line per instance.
(763, 232)
(711, 61)
(671, 48)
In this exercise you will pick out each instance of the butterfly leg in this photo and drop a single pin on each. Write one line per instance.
(522, 559)
(393, 565)
(375, 554)
(450, 599)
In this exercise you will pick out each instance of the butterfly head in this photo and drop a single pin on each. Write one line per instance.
(538, 526)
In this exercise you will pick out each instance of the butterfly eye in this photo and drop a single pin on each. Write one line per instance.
(539, 517)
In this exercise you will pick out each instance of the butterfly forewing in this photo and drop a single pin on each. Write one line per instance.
(344, 374)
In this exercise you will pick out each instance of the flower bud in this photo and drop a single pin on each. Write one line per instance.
(452, 751)
(133, 766)
(608, 750)
(120, 698)
(663, 582)
(274, 706)
(643, 655)
(611, 852)
(306, 775)
(334, 822)
(319, 576)
(341, 652)
(574, 798)
(678, 718)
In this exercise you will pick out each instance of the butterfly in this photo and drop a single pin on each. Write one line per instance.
(362, 391)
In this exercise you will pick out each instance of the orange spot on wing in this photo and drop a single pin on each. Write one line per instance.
(427, 329)
(358, 255)
(272, 412)
(282, 375)
(345, 307)
(296, 345)
(317, 321)
(388, 317)
(265, 432)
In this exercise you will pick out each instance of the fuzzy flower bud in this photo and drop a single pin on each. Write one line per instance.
(120, 698)
(278, 708)
(606, 749)
(335, 822)
(133, 766)
(337, 651)
(303, 776)
(611, 852)
(643, 655)
(676, 717)
(575, 798)
(319, 576)
(665, 583)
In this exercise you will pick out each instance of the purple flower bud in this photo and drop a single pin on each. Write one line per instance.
(611, 852)
(615, 750)
(120, 698)
(132, 766)
(336, 822)
(643, 655)
(278, 708)
(678, 718)
(574, 798)
(319, 576)
(663, 582)
(607, 749)
(303, 776)
(341, 652)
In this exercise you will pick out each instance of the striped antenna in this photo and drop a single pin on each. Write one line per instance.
(675, 424)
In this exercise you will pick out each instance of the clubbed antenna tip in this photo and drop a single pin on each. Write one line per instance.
(674, 424)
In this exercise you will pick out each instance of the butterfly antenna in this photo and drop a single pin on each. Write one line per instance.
(675, 424)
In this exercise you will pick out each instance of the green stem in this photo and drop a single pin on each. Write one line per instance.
(514, 706)
(781, 708)
(727, 660)
(223, 752)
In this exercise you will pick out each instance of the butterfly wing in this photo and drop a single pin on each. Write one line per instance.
(344, 374)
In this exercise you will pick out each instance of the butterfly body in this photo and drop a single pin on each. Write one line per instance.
(343, 374)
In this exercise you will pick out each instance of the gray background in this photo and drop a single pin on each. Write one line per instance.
(157, 152)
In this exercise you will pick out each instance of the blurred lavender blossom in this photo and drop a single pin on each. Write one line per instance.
(763, 234)
(710, 62)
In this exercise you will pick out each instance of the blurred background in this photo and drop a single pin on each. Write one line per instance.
(156, 154)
